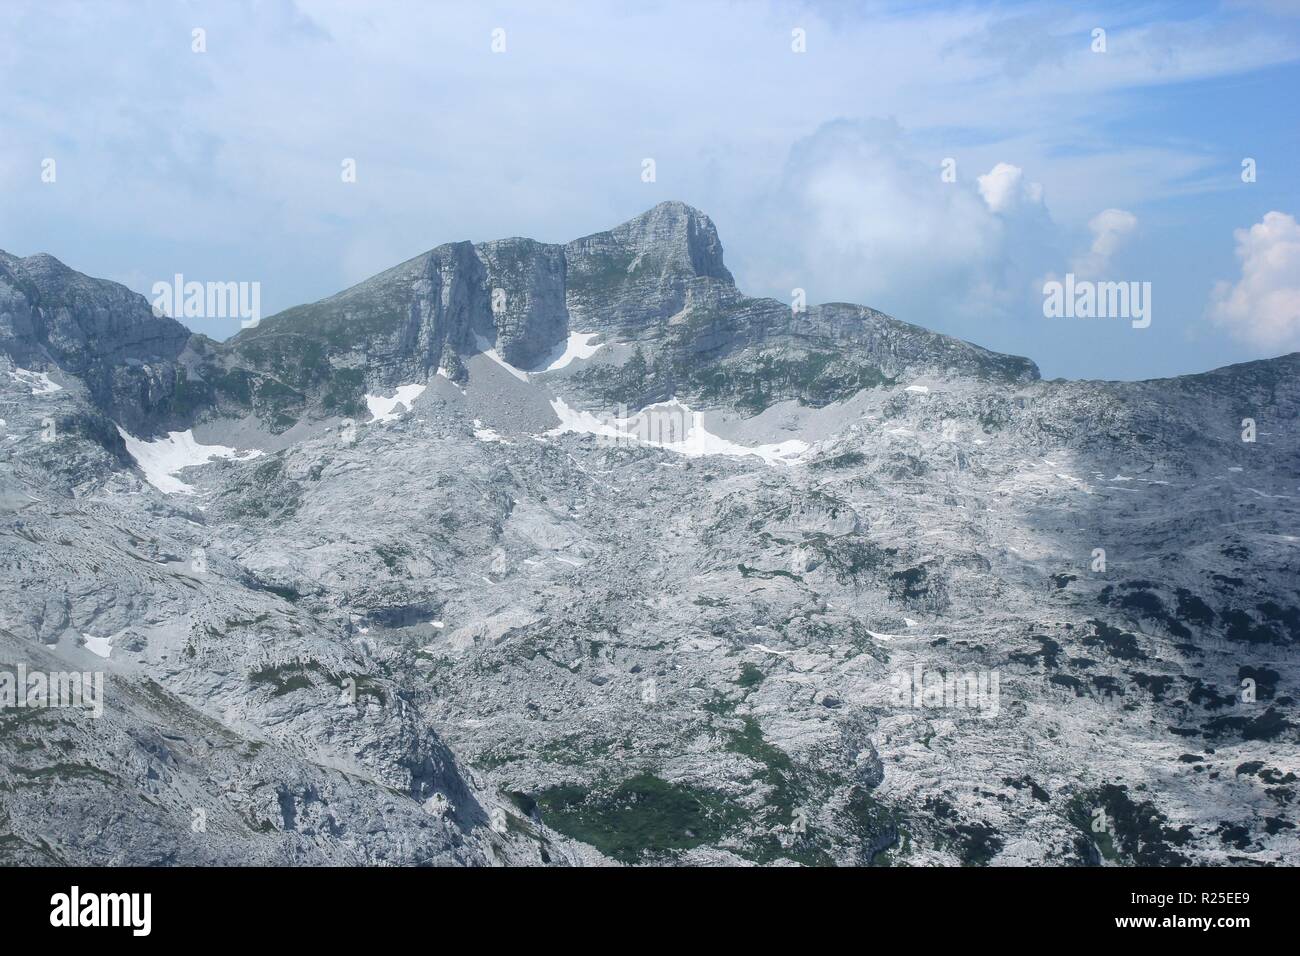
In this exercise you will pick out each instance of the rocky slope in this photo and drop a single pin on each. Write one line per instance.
(523, 554)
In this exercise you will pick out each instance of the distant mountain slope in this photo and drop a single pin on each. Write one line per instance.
(102, 332)
(656, 283)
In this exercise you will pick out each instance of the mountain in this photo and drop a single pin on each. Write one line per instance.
(521, 553)
(656, 284)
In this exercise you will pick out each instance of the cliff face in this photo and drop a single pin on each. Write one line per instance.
(391, 328)
(526, 282)
(636, 276)
(105, 334)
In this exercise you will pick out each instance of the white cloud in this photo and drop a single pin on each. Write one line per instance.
(1110, 229)
(1004, 189)
(1263, 306)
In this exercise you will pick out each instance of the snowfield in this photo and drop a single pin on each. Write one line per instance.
(38, 382)
(578, 346)
(674, 427)
(163, 459)
(385, 409)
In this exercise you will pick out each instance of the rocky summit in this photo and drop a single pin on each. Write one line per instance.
(530, 554)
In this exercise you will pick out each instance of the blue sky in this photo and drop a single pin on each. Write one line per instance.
(822, 169)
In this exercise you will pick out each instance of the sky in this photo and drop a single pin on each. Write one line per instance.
(941, 162)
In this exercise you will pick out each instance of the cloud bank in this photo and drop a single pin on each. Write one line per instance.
(865, 216)
(1263, 306)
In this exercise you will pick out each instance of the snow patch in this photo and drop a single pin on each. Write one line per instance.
(385, 409)
(483, 433)
(577, 347)
(38, 382)
(163, 459)
(1264, 494)
(673, 426)
(918, 389)
(101, 646)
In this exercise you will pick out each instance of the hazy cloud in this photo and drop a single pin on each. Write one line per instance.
(1110, 229)
(863, 217)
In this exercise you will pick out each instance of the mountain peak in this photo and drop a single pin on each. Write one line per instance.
(671, 213)
(678, 236)
(641, 272)
(43, 262)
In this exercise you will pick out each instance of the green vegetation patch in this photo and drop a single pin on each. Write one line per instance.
(878, 827)
(1124, 830)
(1117, 643)
(746, 571)
(642, 815)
